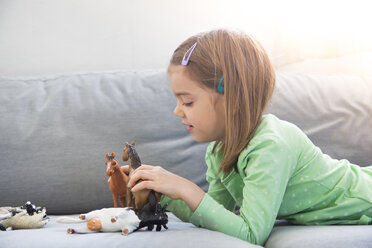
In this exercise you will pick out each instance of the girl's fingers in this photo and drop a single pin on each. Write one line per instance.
(141, 174)
(125, 169)
(144, 167)
(142, 185)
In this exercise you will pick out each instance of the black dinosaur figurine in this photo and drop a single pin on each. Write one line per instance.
(152, 214)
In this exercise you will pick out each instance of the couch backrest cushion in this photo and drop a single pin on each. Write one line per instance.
(334, 110)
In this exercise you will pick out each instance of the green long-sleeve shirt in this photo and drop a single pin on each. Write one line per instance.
(281, 175)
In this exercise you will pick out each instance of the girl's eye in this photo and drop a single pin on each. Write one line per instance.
(187, 104)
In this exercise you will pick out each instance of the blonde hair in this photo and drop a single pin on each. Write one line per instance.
(249, 81)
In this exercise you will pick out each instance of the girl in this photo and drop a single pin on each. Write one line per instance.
(223, 81)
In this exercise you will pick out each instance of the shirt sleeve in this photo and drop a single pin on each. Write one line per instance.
(178, 207)
(266, 166)
(216, 190)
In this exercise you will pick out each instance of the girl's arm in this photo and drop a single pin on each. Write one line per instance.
(216, 190)
(264, 172)
(182, 195)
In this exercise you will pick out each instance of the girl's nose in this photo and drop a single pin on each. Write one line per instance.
(177, 111)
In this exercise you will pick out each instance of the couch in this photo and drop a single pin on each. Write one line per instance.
(56, 130)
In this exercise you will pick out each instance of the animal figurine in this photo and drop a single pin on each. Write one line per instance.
(31, 209)
(139, 198)
(117, 180)
(153, 214)
(124, 220)
(22, 217)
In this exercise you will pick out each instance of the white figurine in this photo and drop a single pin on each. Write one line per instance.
(124, 220)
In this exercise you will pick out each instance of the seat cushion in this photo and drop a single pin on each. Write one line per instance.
(180, 234)
(320, 236)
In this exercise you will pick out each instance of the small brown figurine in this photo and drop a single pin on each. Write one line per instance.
(118, 180)
(139, 198)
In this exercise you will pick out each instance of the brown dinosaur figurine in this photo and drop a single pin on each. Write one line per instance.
(139, 198)
(118, 180)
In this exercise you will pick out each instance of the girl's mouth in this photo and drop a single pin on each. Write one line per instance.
(190, 128)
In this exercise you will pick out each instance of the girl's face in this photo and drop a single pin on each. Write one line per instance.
(201, 109)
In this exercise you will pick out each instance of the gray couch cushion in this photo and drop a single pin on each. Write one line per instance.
(335, 111)
(55, 133)
(320, 236)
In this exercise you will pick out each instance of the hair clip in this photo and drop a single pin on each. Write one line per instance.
(185, 60)
(221, 88)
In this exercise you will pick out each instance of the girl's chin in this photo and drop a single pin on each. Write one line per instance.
(201, 139)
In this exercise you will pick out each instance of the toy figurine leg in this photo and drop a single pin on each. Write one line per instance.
(150, 227)
(115, 198)
(79, 230)
(129, 197)
(122, 200)
(158, 227)
(127, 229)
(90, 215)
(121, 214)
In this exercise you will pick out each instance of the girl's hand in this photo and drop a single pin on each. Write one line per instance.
(167, 183)
(158, 179)
(125, 169)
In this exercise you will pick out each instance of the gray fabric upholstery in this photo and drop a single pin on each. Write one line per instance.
(335, 111)
(320, 236)
(55, 132)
